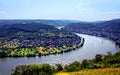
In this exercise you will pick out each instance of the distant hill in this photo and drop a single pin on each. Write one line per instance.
(79, 26)
(115, 23)
(49, 22)
(108, 29)
(112, 24)
(33, 27)
(28, 28)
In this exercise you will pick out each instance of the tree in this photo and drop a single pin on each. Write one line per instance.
(34, 69)
(85, 63)
(59, 67)
(75, 66)
(98, 58)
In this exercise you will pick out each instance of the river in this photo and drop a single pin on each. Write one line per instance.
(93, 45)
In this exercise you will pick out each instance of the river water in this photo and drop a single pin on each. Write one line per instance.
(93, 45)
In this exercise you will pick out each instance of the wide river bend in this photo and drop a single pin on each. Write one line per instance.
(93, 45)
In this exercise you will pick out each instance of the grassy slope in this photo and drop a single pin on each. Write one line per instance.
(104, 71)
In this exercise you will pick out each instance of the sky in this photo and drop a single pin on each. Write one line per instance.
(84, 10)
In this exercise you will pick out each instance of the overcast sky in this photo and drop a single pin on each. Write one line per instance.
(84, 10)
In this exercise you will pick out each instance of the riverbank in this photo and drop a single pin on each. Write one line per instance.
(104, 36)
(71, 48)
(87, 66)
(40, 51)
(98, 34)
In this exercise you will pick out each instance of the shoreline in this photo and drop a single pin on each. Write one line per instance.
(60, 51)
(117, 44)
(78, 46)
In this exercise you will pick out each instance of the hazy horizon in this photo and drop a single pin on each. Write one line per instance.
(83, 10)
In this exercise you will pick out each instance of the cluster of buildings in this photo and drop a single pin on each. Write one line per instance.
(52, 41)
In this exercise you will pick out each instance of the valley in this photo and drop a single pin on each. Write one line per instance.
(48, 44)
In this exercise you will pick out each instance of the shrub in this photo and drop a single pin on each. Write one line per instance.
(59, 67)
(75, 66)
(98, 58)
(34, 69)
(85, 63)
